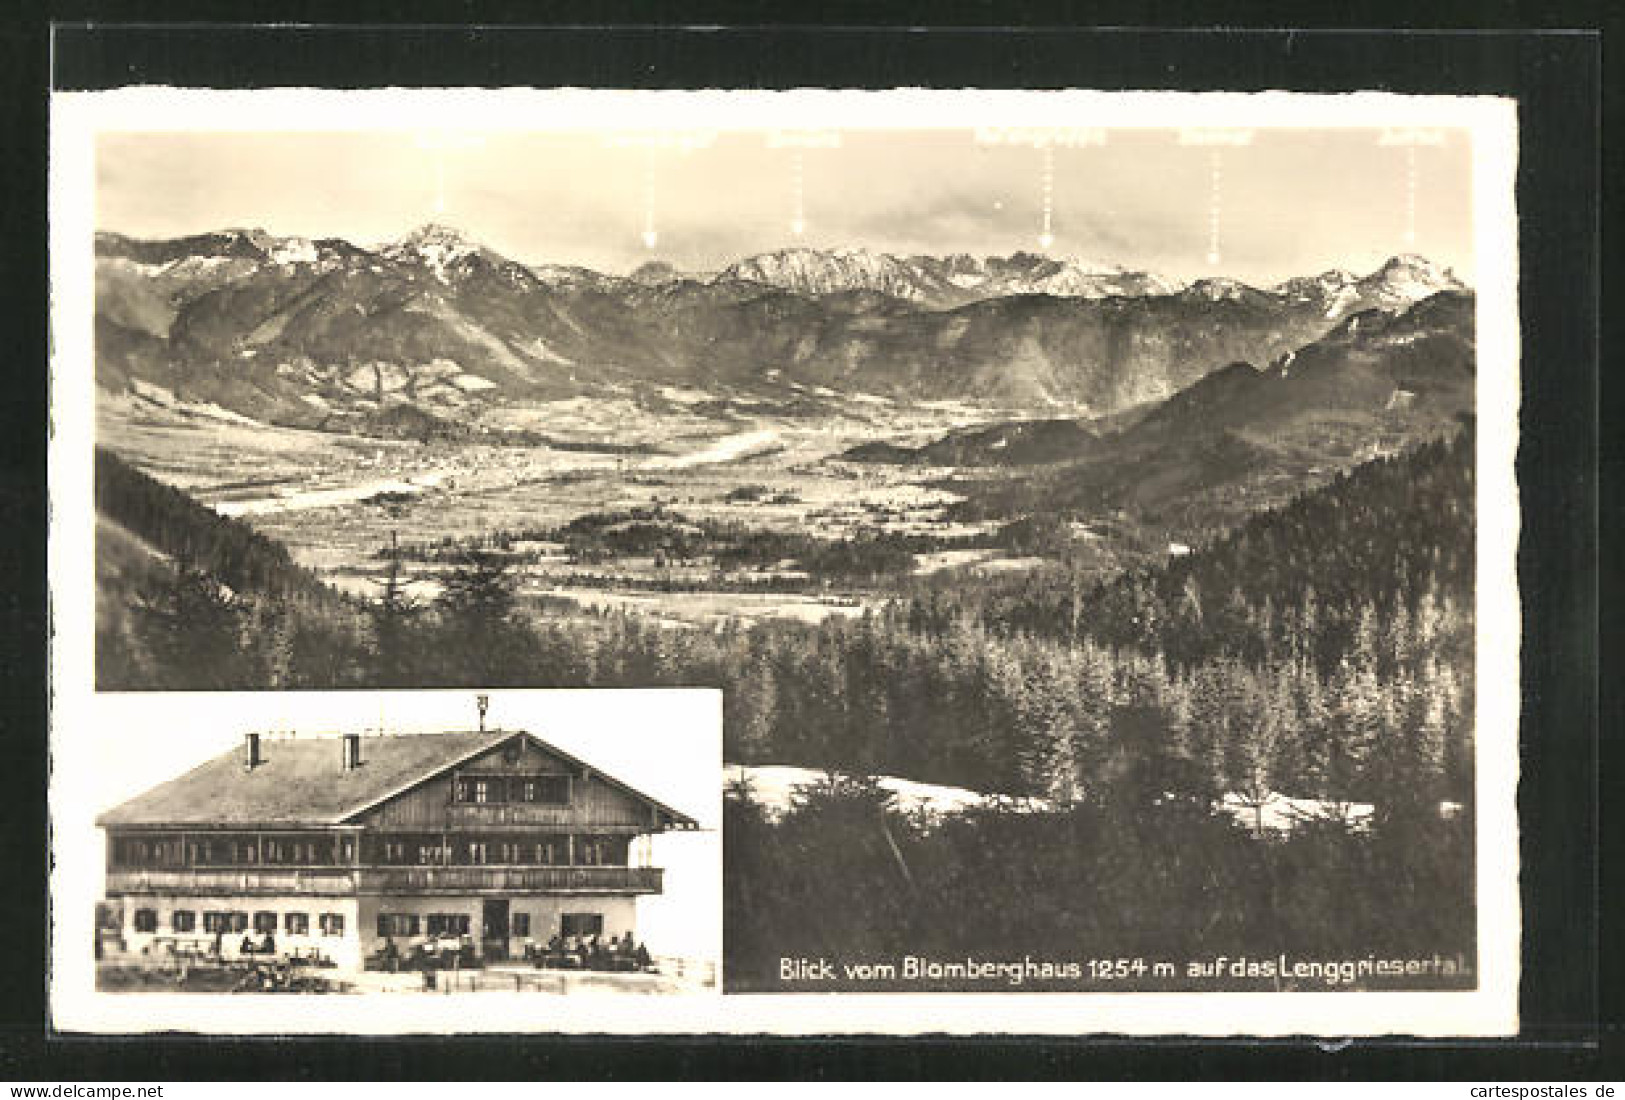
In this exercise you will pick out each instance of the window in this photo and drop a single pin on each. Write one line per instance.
(429, 852)
(398, 924)
(146, 920)
(183, 920)
(554, 789)
(264, 922)
(332, 924)
(302, 850)
(477, 851)
(234, 921)
(582, 924)
(482, 789)
(296, 924)
(447, 924)
(521, 924)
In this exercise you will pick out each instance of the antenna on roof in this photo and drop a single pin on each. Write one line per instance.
(483, 703)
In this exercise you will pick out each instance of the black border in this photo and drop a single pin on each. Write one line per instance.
(1555, 76)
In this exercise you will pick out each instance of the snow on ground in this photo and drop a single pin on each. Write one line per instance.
(773, 786)
(294, 250)
(1282, 814)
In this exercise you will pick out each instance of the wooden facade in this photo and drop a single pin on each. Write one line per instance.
(510, 842)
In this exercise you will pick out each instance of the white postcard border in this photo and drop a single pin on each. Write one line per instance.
(1489, 1010)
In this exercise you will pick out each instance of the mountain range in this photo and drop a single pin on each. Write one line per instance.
(327, 333)
(1238, 439)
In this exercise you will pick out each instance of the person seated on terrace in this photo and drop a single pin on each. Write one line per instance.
(268, 945)
(642, 956)
(247, 946)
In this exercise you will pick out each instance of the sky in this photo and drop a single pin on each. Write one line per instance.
(1293, 202)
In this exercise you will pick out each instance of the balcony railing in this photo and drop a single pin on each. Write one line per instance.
(349, 881)
(506, 880)
(314, 882)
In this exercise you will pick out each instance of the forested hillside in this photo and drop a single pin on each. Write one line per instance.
(1323, 650)
(228, 550)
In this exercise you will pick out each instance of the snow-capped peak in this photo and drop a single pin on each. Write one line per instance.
(435, 234)
(1332, 292)
(435, 246)
(811, 271)
(1219, 290)
(951, 279)
(293, 250)
(1409, 278)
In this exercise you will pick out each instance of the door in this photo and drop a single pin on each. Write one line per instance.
(494, 930)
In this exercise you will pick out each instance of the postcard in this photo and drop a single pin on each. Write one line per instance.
(823, 561)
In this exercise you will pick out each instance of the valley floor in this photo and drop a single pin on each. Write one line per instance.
(337, 501)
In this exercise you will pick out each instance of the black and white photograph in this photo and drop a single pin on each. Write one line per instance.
(1096, 512)
(439, 842)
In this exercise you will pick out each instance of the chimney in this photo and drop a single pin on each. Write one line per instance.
(482, 702)
(352, 751)
(251, 752)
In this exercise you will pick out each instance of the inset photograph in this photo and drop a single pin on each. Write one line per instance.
(453, 842)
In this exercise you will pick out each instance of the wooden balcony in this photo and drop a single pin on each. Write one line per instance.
(563, 818)
(350, 881)
(511, 880)
(247, 882)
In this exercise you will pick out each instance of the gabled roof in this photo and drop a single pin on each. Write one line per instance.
(299, 781)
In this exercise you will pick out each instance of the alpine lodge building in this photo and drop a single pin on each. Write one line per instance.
(339, 846)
